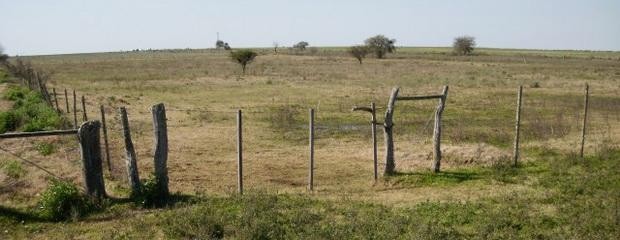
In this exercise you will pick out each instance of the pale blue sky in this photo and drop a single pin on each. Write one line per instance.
(63, 26)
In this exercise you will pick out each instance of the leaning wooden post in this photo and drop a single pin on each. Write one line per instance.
(56, 99)
(311, 143)
(585, 119)
(84, 109)
(105, 139)
(160, 131)
(239, 153)
(517, 126)
(373, 128)
(387, 130)
(74, 109)
(130, 153)
(67, 101)
(88, 135)
(437, 130)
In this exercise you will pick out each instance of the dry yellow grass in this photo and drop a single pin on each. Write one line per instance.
(479, 116)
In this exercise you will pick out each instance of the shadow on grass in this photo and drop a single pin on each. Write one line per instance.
(428, 178)
(20, 215)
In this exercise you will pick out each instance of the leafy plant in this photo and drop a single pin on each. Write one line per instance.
(13, 169)
(359, 52)
(62, 200)
(45, 148)
(381, 45)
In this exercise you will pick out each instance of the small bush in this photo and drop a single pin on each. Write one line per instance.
(13, 169)
(45, 148)
(150, 195)
(62, 200)
(194, 223)
(464, 45)
(8, 121)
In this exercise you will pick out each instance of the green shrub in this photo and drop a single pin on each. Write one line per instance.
(62, 200)
(45, 148)
(13, 169)
(30, 112)
(150, 195)
(194, 223)
(8, 121)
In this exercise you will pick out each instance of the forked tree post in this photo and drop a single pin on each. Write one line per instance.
(585, 119)
(517, 126)
(67, 101)
(437, 130)
(105, 138)
(130, 153)
(239, 152)
(56, 99)
(74, 109)
(311, 143)
(90, 150)
(388, 124)
(84, 117)
(160, 131)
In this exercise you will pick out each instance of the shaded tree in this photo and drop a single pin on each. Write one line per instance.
(359, 52)
(219, 44)
(275, 47)
(381, 45)
(301, 45)
(464, 45)
(243, 57)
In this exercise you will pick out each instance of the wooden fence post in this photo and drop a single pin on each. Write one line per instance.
(239, 153)
(67, 101)
(84, 117)
(130, 160)
(388, 134)
(74, 109)
(373, 128)
(585, 119)
(437, 131)
(517, 126)
(56, 99)
(105, 139)
(311, 143)
(88, 135)
(160, 156)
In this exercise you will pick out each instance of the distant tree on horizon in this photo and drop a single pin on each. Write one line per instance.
(359, 52)
(301, 45)
(243, 57)
(464, 45)
(381, 45)
(219, 44)
(275, 47)
(3, 56)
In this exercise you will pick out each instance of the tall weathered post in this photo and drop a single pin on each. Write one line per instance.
(105, 138)
(311, 148)
(90, 150)
(130, 153)
(160, 131)
(517, 126)
(437, 130)
(373, 128)
(388, 124)
(84, 109)
(239, 153)
(56, 99)
(585, 119)
(67, 101)
(74, 109)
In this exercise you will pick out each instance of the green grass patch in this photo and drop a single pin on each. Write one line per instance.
(29, 113)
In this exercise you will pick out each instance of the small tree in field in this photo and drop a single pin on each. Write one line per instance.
(243, 57)
(359, 52)
(464, 45)
(381, 45)
(219, 44)
(301, 45)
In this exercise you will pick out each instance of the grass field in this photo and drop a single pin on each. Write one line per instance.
(203, 88)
